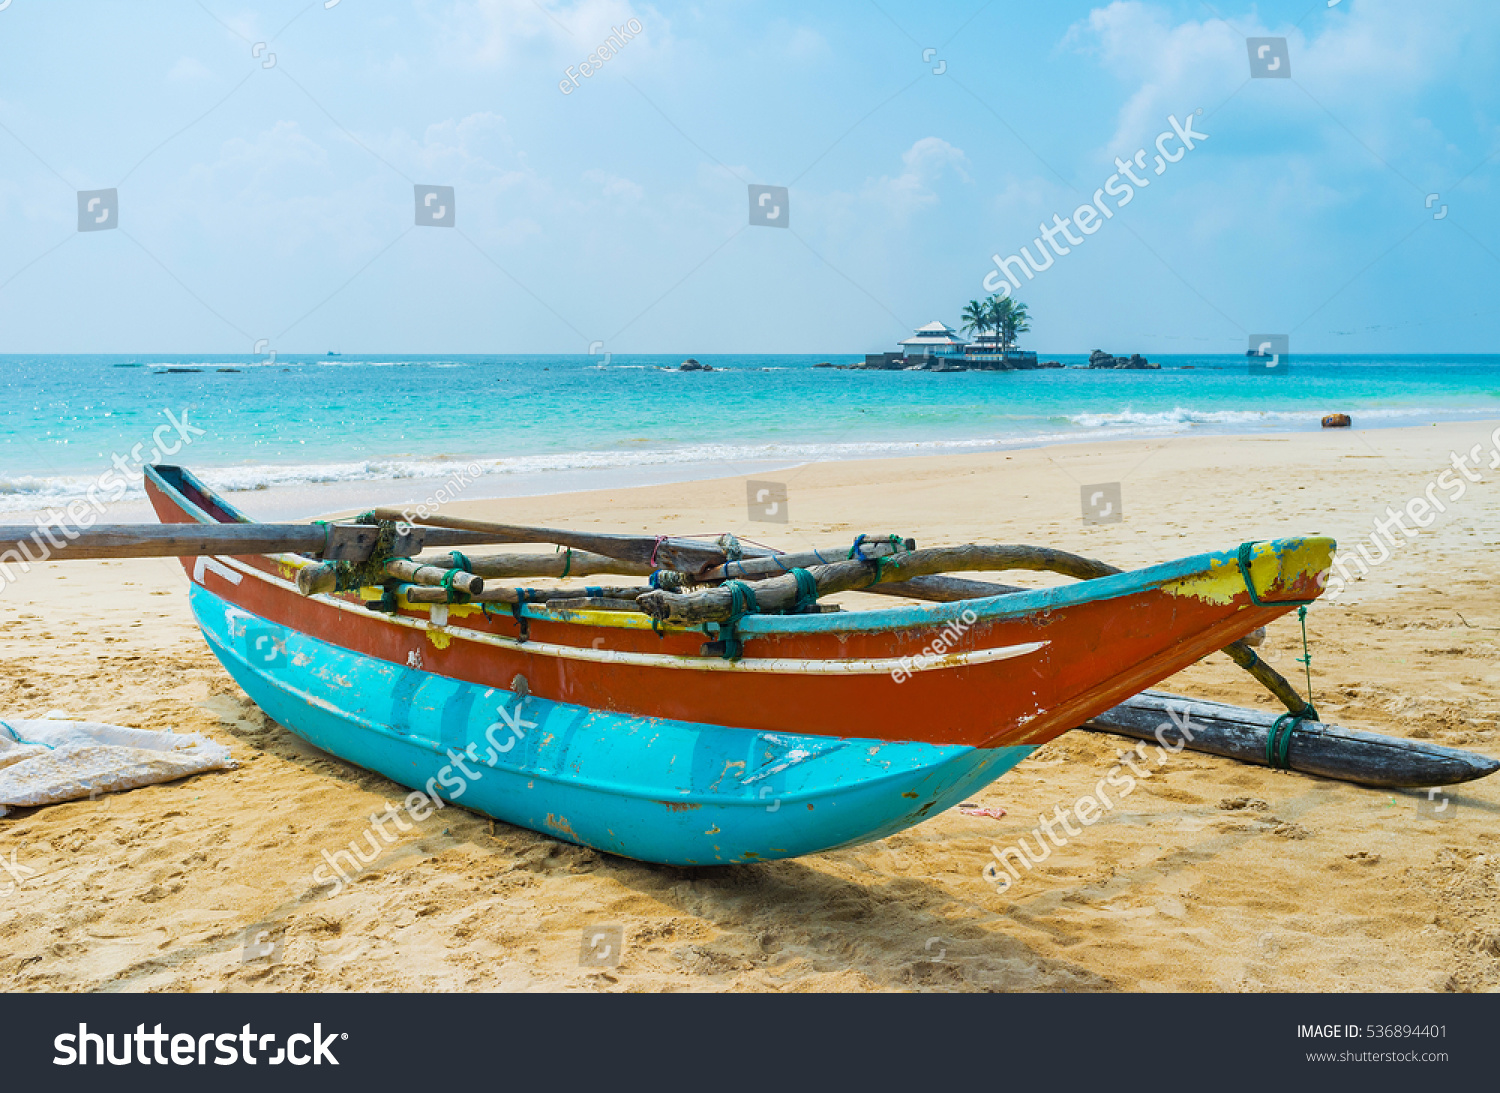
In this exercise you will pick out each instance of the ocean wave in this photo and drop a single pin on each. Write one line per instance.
(30, 492)
(1182, 416)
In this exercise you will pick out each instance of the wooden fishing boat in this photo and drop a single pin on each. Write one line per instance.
(618, 731)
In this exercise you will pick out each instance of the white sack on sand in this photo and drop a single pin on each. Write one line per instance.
(43, 762)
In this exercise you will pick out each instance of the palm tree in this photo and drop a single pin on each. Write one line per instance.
(976, 317)
(1008, 317)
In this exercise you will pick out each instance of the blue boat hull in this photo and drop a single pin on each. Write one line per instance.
(659, 790)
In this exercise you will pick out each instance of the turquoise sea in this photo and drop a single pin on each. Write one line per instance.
(299, 421)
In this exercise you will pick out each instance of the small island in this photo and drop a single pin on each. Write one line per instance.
(996, 324)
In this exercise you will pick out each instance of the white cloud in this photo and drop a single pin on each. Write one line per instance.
(803, 43)
(1367, 65)
(188, 69)
(490, 32)
(613, 186)
(926, 162)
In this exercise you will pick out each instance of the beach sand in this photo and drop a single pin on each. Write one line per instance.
(1211, 876)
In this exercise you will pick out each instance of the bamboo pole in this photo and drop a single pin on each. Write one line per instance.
(664, 552)
(413, 572)
(550, 597)
(582, 563)
(585, 563)
(776, 565)
(780, 593)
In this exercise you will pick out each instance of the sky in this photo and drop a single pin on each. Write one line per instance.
(267, 160)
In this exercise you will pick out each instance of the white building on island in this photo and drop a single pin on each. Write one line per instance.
(933, 340)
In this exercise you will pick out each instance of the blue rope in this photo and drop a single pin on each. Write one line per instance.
(22, 740)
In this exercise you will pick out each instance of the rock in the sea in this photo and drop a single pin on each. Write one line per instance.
(691, 365)
(1337, 421)
(1050, 364)
(823, 364)
(1100, 359)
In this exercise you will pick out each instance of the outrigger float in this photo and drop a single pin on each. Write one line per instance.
(719, 713)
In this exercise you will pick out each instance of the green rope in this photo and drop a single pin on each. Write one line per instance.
(455, 595)
(898, 545)
(567, 564)
(742, 602)
(462, 562)
(1306, 661)
(371, 571)
(387, 604)
(1279, 743)
(1243, 557)
(807, 592)
(880, 564)
(1244, 560)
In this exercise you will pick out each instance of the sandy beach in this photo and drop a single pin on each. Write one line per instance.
(1214, 876)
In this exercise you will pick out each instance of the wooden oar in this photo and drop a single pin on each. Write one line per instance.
(348, 542)
(663, 552)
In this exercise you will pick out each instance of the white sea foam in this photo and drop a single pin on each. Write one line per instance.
(27, 492)
(1183, 417)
